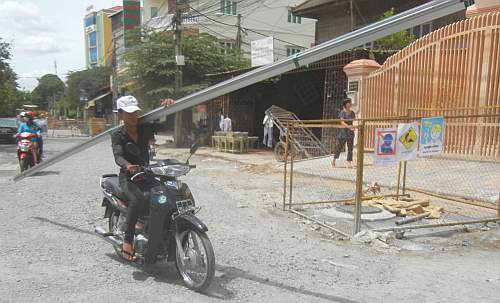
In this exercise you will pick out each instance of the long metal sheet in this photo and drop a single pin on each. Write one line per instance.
(407, 19)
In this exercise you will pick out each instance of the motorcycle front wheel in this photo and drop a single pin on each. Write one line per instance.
(196, 262)
(24, 164)
(114, 227)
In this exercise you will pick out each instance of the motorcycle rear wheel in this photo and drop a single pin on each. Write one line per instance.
(193, 242)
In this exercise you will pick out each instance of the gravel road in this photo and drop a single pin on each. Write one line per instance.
(49, 252)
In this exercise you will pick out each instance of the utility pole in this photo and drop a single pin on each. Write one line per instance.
(351, 9)
(238, 36)
(113, 76)
(178, 75)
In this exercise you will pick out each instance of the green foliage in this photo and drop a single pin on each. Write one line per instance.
(10, 97)
(395, 41)
(151, 66)
(50, 88)
(86, 83)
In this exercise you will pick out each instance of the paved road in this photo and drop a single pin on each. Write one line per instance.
(48, 252)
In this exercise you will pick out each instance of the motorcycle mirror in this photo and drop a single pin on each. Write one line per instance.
(194, 148)
(133, 149)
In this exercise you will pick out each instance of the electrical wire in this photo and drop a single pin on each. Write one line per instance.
(247, 29)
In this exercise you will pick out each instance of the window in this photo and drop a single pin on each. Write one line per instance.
(228, 7)
(421, 30)
(290, 51)
(90, 20)
(154, 12)
(93, 54)
(293, 19)
(93, 39)
(226, 45)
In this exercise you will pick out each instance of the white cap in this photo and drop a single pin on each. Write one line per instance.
(128, 104)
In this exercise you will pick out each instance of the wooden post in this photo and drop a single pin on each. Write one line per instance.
(286, 164)
(404, 179)
(291, 181)
(399, 180)
(359, 176)
(498, 215)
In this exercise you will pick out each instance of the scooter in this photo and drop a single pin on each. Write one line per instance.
(170, 231)
(26, 150)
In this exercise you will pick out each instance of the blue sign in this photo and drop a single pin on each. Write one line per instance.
(431, 136)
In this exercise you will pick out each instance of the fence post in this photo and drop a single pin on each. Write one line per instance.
(359, 176)
(286, 164)
(403, 192)
(498, 214)
(291, 176)
(398, 186)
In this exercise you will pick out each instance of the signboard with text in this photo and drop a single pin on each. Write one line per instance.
(431, 136)
(262, 51)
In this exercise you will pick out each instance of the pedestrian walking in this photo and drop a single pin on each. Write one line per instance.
(268, 131)
(346, 134)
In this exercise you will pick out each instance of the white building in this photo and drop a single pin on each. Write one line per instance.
(259, 19)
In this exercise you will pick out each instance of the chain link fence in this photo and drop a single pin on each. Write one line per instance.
(461, 183)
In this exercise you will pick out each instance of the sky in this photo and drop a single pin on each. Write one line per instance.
(44, 31)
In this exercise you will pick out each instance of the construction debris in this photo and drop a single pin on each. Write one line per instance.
(408, 207)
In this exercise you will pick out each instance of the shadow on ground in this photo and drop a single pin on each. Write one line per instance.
(167, 273)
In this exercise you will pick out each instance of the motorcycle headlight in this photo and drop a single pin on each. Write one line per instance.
(170, 170)
(24, 148)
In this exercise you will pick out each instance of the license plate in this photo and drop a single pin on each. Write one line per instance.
(184, 205)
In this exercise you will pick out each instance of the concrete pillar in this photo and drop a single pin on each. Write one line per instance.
(356, 72)
(483, 7)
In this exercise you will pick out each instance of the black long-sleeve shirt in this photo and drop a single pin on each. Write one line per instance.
(120, 138)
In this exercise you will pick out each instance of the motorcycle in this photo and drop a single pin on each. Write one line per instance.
(25, 150)
(170, 231)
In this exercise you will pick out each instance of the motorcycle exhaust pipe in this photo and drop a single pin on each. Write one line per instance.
(108, 237)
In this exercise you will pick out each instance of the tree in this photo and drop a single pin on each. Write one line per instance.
(395, 41)
(87, 83)
(49, 90)
(151, 66)
(10, 97)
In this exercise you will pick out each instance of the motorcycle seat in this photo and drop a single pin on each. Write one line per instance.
(112, 185)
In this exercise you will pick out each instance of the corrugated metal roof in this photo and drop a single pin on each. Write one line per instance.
(309, 4)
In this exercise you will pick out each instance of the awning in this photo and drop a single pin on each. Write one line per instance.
(91, 103)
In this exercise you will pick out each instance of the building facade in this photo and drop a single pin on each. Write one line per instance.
(258, 19)
(98, 37)
(337, 17)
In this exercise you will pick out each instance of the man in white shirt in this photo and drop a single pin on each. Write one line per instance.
(268, 131)
(227, 125)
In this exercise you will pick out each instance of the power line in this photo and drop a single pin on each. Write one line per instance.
(247, 29)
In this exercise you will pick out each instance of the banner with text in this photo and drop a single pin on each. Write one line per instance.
(431, 136)
(262, 51)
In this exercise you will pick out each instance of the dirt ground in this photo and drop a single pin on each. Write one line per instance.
(49, 252)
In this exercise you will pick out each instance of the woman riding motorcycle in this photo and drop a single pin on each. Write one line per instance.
(28, 126)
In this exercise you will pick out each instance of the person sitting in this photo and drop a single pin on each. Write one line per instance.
(29, 126)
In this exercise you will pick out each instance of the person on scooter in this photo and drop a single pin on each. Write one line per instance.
(130, 164)
(28, 126)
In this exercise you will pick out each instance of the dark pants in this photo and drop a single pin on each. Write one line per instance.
(137, 203)
(341, 142)
(40, 146)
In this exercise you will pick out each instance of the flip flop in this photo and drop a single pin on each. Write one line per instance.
(130, 257)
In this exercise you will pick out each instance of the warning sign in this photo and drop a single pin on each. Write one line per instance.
(409, 138)
(385, 146)
(407, 143)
